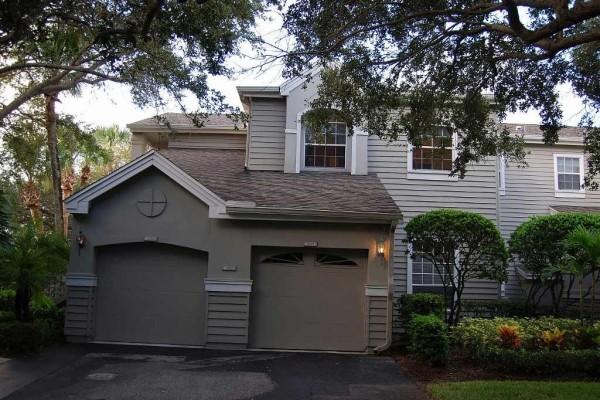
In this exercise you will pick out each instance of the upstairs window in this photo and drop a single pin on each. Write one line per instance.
(325, 149)
(435, 154)
(568, 175)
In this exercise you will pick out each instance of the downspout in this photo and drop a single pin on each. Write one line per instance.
(502, 288)
(390, 296)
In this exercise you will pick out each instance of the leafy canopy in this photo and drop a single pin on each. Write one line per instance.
(451, 63)
(462, 245)
(161, 49)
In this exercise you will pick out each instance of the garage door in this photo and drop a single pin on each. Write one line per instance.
(150, 293)
(310, 300)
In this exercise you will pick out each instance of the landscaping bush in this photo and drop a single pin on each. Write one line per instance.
(7, 300)
(498, 308)
(541, 362)
(411, 305)
(428, 336)
(476, 335)
(20, 338)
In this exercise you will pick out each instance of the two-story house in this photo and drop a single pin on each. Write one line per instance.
(271, 236)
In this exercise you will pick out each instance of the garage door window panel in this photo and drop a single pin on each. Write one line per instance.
(334, 260)
(285, 258)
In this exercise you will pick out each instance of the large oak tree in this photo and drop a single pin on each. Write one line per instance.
(163, 49)
(451, 63)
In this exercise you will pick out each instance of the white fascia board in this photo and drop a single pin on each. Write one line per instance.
(145, 128)
(79, 202)
(286, 87)
(258, 91)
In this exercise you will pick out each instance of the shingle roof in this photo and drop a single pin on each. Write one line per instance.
(222, 172)
(576, 209)
(534, 130)
(182, 120)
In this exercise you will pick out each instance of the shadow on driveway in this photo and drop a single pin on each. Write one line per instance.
(94, 372)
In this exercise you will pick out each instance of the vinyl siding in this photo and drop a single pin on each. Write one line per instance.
(209, 141)
(79, 316)
(227, 321)
(477, 193)
(377, 326)
(267, 135)
(530, 191)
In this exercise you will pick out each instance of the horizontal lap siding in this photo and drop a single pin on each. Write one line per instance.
(477, 193)
(79, 315)
(209, 141)
(530, 192)
(267, 135)
(227, 322)
(377, 321)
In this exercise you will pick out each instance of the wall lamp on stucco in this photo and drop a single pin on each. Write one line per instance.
(80, 239)
(380, 248)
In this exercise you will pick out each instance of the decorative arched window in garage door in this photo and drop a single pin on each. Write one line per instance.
(328, 259)
(285, 258)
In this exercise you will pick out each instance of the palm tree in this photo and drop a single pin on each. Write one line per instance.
(584, 259)
(27, 263)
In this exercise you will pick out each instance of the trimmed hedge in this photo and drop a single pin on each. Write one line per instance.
(541, 362)
(428, 336)
(411, 305)
(26, 338)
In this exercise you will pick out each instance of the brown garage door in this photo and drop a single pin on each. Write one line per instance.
(151, 293)
(310, 300)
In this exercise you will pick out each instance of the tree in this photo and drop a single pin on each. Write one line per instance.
(583, 259)
(539, 246)
(450, 63)
(462, 246)
(4, 221)
(27, 263)
(163, 49)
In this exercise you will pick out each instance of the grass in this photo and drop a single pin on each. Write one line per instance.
(515, 390)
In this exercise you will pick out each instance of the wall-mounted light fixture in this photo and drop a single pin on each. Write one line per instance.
(380, 248)
(80, 239)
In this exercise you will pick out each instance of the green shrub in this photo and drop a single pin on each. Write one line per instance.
(7, 300)
(428, 336)
(410, 305)
(541, 362)
(477, 335)
(19, 338)
(497, 308)
(7, 316)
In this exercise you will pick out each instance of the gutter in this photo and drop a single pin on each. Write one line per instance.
(246, 209)
(390, 309)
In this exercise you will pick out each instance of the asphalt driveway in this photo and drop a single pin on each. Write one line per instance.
(95, 372)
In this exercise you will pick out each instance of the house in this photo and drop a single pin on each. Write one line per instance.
(262, 237)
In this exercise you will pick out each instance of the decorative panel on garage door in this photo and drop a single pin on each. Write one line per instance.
(308, 299)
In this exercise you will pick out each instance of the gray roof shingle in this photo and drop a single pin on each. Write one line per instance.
(222, 172)
(534, 130)
(182, 120)
(582, 209)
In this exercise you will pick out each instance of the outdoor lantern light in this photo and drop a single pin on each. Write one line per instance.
(80, 239)
(380, 248)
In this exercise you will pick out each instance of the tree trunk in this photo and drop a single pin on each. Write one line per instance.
(31, 198)
(52, 141)
(67, 185)
(22, 300)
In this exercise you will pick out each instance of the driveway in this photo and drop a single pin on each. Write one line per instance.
(95, 372)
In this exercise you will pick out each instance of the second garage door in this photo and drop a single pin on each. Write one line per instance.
(151, 293)
(309, 300)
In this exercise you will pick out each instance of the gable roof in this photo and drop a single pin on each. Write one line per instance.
(79, 202)
(181, 120)
(223, 172)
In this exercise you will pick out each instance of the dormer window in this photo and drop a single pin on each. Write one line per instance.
(325, 149)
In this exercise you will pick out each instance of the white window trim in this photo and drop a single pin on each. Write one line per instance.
(580, 194)
(502, 175)
(430, 175)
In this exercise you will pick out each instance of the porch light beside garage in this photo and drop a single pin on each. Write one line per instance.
(381, 247)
